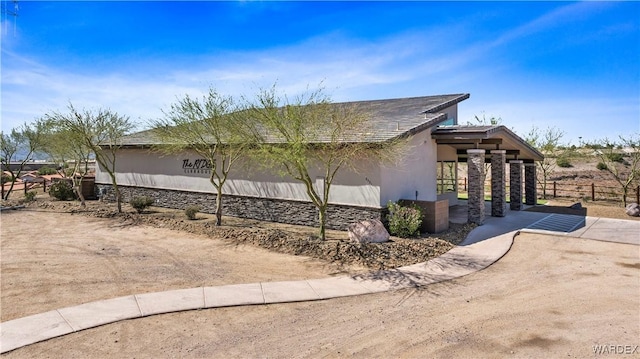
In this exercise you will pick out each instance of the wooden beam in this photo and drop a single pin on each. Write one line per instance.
(509, 152)
(458, 141)
(492, 141)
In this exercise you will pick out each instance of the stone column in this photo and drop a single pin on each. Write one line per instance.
(475, 166)
(530, 188)
(498, 185)
(515, 185)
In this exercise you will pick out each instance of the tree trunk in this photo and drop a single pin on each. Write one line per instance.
(322, 218)
(219, 207)
(7, 193)
(77, 186)
(118, 198)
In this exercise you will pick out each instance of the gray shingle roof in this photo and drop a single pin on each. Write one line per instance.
(387, 119)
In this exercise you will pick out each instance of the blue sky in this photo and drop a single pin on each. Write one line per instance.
(575, 66)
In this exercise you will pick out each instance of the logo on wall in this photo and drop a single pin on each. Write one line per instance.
(200, 165)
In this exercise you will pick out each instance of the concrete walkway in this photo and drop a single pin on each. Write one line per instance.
(484, 246)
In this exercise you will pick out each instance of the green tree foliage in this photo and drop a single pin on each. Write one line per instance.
(621, 159)
(65, 146)
(97, 131)
(215, 128)
(19, 146)
(308, 137)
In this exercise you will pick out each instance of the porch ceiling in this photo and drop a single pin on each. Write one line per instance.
(488, 138)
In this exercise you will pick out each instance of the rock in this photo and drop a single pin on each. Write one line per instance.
(633, 210)
(369, 231)
(576, 205)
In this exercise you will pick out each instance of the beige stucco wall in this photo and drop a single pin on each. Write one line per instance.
(142, 168)
(370, 185)
(447, 153)
(415, 173)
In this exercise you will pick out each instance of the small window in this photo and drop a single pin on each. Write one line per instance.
(450, 121)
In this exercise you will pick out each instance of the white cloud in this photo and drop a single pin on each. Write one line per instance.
(407, 64)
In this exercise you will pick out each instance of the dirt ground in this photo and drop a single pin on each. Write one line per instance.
(548, 297)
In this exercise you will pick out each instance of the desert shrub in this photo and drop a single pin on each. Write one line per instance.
(62, 190)
(601, 166)
(141, 203)
(615, 157)
(563, 162)
(6, 178)
(45, 170)
(192, 211)
(30, 196)
(404, 221)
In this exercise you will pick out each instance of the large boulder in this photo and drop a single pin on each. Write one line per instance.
(633, 210)
(369, 231)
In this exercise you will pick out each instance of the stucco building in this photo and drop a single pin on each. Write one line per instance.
(436, 143)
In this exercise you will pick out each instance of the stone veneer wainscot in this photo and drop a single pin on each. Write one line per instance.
(265, 209)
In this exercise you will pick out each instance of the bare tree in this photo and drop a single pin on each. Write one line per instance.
(310, 133)
(101, 131)
(621, 159)
(214, 127)
(64, 145)
(484, 121)
(19, 146)
(547, 142)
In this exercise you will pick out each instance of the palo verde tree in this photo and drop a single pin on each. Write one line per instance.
(310, 135)
(99, 131)
(548, 143)
(621, 159)
(214, 127)
(19, 146)
(63, 146)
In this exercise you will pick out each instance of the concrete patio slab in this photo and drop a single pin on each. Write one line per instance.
(170, 301)
(233, 295)
(602, 229)
(335, 287)
(612, 223)
(290, 291)
(93, 314)
(32, 329)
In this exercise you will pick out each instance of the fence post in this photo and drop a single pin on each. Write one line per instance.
(25, 187)
(44, 186)
(593, 192)
(638, 194)
(554, 189)
(465, 184)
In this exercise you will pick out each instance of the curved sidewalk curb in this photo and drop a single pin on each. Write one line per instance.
(459, 261)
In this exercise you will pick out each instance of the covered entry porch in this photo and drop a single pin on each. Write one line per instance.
(491, 148)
